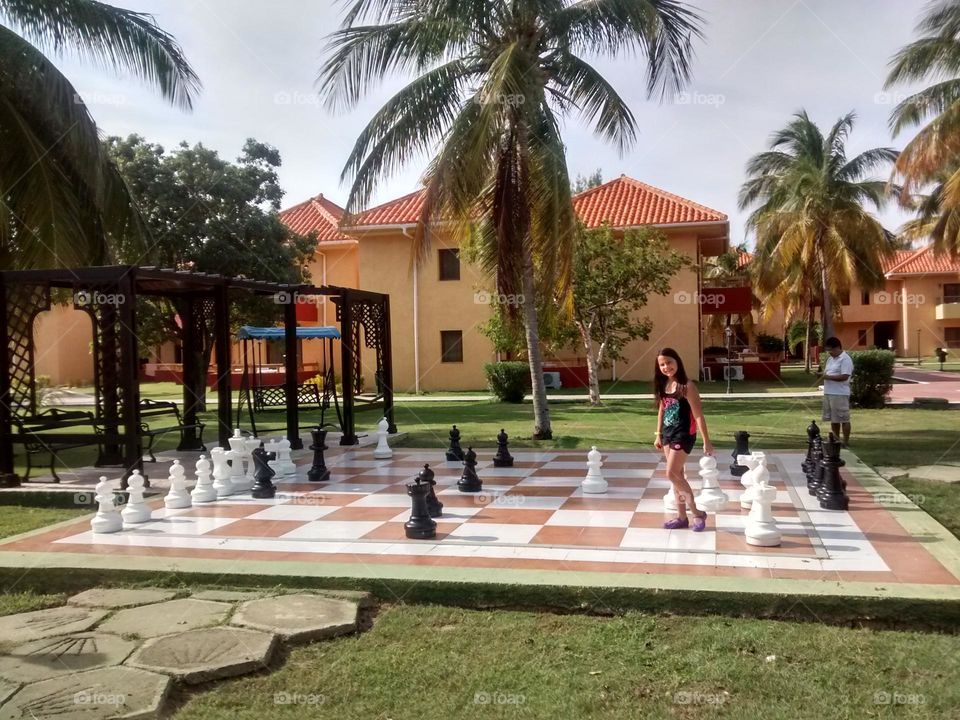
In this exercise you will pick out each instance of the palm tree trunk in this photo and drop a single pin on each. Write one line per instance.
(806, 345)
(541, 413)
(826, 308)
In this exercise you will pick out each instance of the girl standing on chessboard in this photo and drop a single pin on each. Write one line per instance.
(679, 415)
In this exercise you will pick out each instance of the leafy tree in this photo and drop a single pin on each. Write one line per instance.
(62, 197)
(492, 80)
(210, 215)
(933, 155)
(809, 215)
(613, 278)
(585, 183)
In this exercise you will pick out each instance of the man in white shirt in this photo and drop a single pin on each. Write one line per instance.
(836, 389)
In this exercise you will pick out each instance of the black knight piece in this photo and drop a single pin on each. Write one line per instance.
(469, 482)
(318, 472)
(455, 452)
(503, 458)
(831, 493)
(263, 474)
(741, 438)
(812, 432)
(420, 526)
(434, 506)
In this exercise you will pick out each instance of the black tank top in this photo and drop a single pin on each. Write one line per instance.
(678, 420)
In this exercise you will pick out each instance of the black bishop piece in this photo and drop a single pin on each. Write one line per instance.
(503, 458)
(469, 482)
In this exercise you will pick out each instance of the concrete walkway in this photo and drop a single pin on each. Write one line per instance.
(924, 383)
(120, 652)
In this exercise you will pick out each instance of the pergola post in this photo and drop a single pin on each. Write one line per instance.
(347, 351)
(190, 438)
(291, 365)
(128, 380)
(221, 314)
(386, 352)
(8, 478)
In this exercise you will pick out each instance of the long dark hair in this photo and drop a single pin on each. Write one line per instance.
(660, 380)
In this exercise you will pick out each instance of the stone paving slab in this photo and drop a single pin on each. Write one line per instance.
(299, 618)
(166, 618)
(52, 657)
(198, 656)
(7, 689)
(115, 692)
(121, 597)
(230, 595)
(24, 627)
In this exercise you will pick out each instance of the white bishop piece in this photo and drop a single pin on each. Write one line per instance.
(287, 467)
(136, 510)
(382, 451)
(107, 519)
(760, 528)
(203, 491)
(221, 473)
(751, 461)
(594, 482)
(711, 497)
(177, 497)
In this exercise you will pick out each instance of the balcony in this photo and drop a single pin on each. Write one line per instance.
(948, 308)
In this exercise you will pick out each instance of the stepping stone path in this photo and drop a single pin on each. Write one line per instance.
(119, 652)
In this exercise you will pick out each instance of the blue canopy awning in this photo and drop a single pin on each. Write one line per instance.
(249, 332)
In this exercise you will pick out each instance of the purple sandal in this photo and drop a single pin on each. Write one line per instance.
(699, 523)
(677, 524)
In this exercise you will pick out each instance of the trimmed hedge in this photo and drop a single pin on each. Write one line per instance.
(509, 381)
(872, 377)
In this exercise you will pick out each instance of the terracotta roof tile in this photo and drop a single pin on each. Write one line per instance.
(924, 262)
(743, 258)
(623, 202)
(318, 214)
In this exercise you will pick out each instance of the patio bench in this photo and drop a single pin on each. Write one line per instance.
(43, 432)
(164, 412)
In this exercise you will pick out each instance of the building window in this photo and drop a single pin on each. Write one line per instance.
(952, 337)
(451, 346)
(951, 292)
(865, 298)
(862, 337)
(845, 298)
(449, 264)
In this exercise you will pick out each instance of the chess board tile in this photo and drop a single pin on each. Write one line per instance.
(590, 537)
(591, 518)
(257, 528)
(294, 512)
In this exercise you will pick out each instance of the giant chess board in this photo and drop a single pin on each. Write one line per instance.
(533, 516)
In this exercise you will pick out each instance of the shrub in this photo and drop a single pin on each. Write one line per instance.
(872, 377)
(769, 343)
(509, 381)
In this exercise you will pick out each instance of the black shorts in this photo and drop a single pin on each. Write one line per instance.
(681, 442)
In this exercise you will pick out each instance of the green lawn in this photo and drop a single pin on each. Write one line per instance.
(15, 519)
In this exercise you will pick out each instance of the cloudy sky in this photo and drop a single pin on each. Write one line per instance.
(760, 61)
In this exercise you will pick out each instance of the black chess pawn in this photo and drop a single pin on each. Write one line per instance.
(420, 526)
(434, 506)
(455, 452)
(831, 492)
(503, 458)
(469, 481)
(741, 438)
(812, 432)
(263, 486)
(318, 472)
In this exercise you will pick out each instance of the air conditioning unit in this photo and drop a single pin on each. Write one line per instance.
(733, 372)
(552, 380)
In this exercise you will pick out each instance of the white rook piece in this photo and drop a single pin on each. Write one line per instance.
(203, 491)
(594, 482)
(107, 519)
(751, 461)
(238, 481)
(221, 473)
(238, 444)
(711, 497)
(136, 510)
(288, 468)
(383, 451)
(177, 497)
(761, 529)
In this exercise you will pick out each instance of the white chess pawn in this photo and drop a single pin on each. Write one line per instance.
(136, 510)
(711, 497)
(108, 518)
(177, 497)
(382, 451)
(751, 462)
(221, 473)
(204, 491)
(287, 467)
(250, 444)
(238, 481)
(594, 482)
(760, 528)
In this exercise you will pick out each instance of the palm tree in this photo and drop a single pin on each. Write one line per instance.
(933, 155)
(62, 201)
(810, 214)
(493, 79)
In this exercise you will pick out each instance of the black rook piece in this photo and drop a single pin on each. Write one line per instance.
(455, 452)
(469, 482)
(420, 526)
(263, 474)
(318, 472)
(831, 493)
(503, 458)
(741, 438)
(434, 506)
(812, 432)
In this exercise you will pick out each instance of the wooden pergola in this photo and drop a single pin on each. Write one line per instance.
(109, 295)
